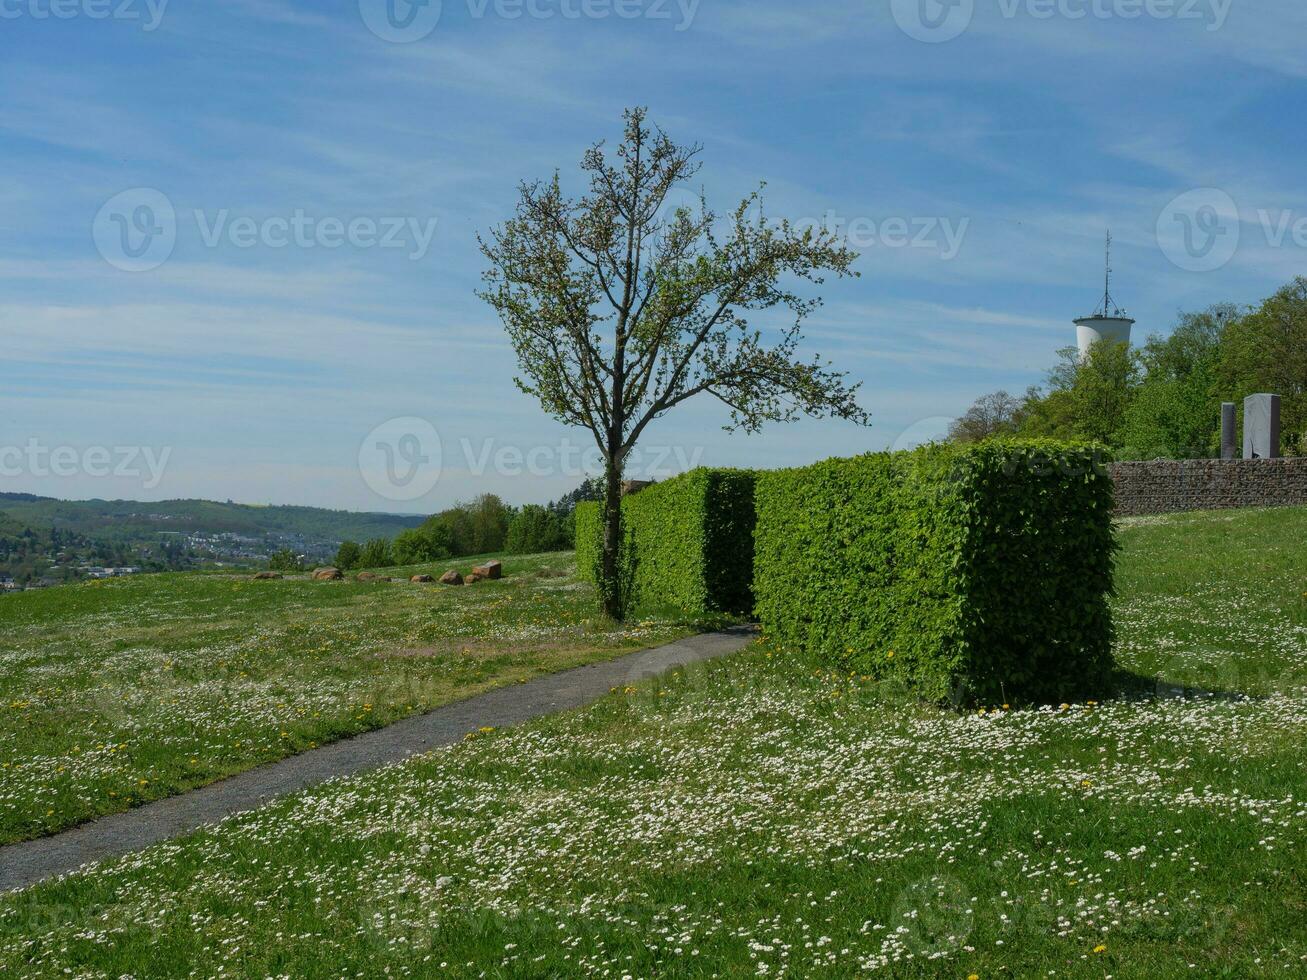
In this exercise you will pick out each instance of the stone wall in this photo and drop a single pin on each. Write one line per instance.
(1167, 486)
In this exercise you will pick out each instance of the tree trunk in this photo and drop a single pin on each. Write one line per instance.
(610, 568)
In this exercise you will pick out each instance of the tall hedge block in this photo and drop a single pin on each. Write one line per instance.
(972, 574)
(589, 538)
(689, 543)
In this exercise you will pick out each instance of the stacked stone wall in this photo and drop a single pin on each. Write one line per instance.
(1169, 486)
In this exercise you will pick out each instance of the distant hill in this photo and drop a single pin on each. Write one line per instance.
(42, 538)
(115, 518)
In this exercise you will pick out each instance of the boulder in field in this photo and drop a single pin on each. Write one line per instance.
(267, 576)
(422, 579)
(451, 577)
(473, 578)
(490, 570)
(370, 577)
(327, 575)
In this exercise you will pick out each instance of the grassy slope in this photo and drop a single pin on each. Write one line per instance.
(752, 814)
(131, 689)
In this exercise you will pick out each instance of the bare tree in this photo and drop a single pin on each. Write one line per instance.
(991, 415)
(618, 313)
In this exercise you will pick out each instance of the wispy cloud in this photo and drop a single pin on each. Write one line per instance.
(1038, 134)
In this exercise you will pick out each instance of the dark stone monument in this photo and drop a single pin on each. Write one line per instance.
(1261, 427)
(1229, 436)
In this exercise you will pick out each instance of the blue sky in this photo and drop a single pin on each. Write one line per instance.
(255, 365)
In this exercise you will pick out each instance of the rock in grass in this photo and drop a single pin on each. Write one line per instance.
(490, 570)
(422, 579)
(451, 577)
(328, 575)
(473, 578)
(370, 577)
(266, 576)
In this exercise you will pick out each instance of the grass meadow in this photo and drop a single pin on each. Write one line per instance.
(761, 816)
(126, 690)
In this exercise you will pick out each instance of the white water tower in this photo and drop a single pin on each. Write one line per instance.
(1108, 322)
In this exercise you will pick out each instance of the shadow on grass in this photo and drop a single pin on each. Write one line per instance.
(1129, 685)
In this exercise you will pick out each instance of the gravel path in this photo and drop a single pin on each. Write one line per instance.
(26, 863)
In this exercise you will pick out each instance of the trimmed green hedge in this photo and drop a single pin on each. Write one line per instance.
(973, 574)
(589, 538)
(689, 543)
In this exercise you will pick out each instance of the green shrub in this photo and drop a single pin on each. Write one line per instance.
(976, 574)
(376, 554)
(348, 555)
(285, 560)
(420, 545)
(535, 529)
(689, 543)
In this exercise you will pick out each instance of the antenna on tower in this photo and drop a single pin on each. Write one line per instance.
(1109, 321)
(1109, 307)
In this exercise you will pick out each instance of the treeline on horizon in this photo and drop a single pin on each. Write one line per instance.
(1163, 400)
(484, 525)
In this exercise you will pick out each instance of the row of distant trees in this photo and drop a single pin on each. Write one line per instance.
(485, 525)
(1163, 400)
